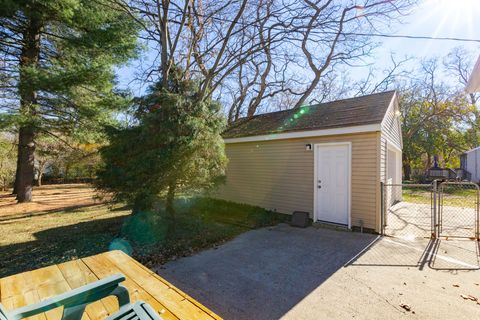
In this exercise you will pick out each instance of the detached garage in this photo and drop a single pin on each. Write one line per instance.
(326, 159)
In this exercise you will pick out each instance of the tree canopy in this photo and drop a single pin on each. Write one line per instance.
(175, 146)
(436, 120)
(57, 75)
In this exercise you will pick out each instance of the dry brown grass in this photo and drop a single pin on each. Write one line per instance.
(49, 199)
(63, 222)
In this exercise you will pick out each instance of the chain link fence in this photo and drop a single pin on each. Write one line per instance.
(407, 210)
(439, 209)
(458, 210)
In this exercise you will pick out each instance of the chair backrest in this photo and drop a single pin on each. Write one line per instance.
(3, 313)
(74, 301)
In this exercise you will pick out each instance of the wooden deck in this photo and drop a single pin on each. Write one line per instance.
(143, 284)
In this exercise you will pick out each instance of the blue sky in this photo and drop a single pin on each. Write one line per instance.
(436, 18)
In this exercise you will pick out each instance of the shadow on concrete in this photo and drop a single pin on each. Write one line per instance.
(454, 255)
(438, 254)
(264, 273)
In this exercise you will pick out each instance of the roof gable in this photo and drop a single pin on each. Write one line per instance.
(357, 111)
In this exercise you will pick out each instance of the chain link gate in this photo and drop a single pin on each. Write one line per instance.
(458, 210)
(437, 209)
(408, 210)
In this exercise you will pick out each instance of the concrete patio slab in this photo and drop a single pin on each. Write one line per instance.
(414, 220)
(291, 273)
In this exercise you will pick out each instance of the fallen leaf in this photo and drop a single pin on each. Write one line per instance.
(406, 307)
(469, 297)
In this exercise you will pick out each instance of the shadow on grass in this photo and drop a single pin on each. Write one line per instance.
(71, 209)
(150, 237)
(59, 244)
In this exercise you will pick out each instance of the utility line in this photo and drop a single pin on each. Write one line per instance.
(411, 37)
(278, 28)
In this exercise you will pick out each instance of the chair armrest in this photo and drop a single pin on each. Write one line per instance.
(78, 298)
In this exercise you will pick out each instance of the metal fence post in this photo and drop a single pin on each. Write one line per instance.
(382, 208)
(478, 213)
(434, 213)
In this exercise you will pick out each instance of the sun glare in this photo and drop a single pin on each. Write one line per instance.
(455, 5)
(467, 8)
(454, 16)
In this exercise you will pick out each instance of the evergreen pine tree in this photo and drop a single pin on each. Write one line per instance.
(176, 146)
(56, 70)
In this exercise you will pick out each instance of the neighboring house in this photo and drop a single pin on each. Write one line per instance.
(326, 159)
(473, 84)
(470, 162)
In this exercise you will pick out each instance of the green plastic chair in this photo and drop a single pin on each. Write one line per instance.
(74, 303)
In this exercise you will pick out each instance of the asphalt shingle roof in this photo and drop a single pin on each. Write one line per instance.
(362, 110)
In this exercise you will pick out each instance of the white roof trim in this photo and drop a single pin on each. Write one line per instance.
(307, 134)
(473, 84)
(471, 150)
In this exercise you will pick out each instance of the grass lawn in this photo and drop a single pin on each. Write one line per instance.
(453, 195)
(65, 222)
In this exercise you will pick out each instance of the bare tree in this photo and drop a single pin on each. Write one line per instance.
(390, 76)
(433, 117)
(328, 33)
(253, 54)
(459, 63)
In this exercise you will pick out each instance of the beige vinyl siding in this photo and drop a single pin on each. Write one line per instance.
(278, 175)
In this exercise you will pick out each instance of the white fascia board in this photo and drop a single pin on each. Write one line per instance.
(307, 134)
(471, 150)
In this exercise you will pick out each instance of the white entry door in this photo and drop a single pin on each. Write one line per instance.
(332, 182)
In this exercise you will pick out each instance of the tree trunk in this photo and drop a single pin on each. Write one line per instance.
(26, 150)
(39, 179)
(407, 169)
(66, 172)
(41, 170)
(28, 100)
(428, 165)
(169, 208)
(17, 171)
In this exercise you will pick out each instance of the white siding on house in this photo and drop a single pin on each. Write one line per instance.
(391, 126)
(391, 136)
(390, 153)
(473, 164)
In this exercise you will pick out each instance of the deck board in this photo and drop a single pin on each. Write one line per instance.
(77, 274)
(143, 284)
